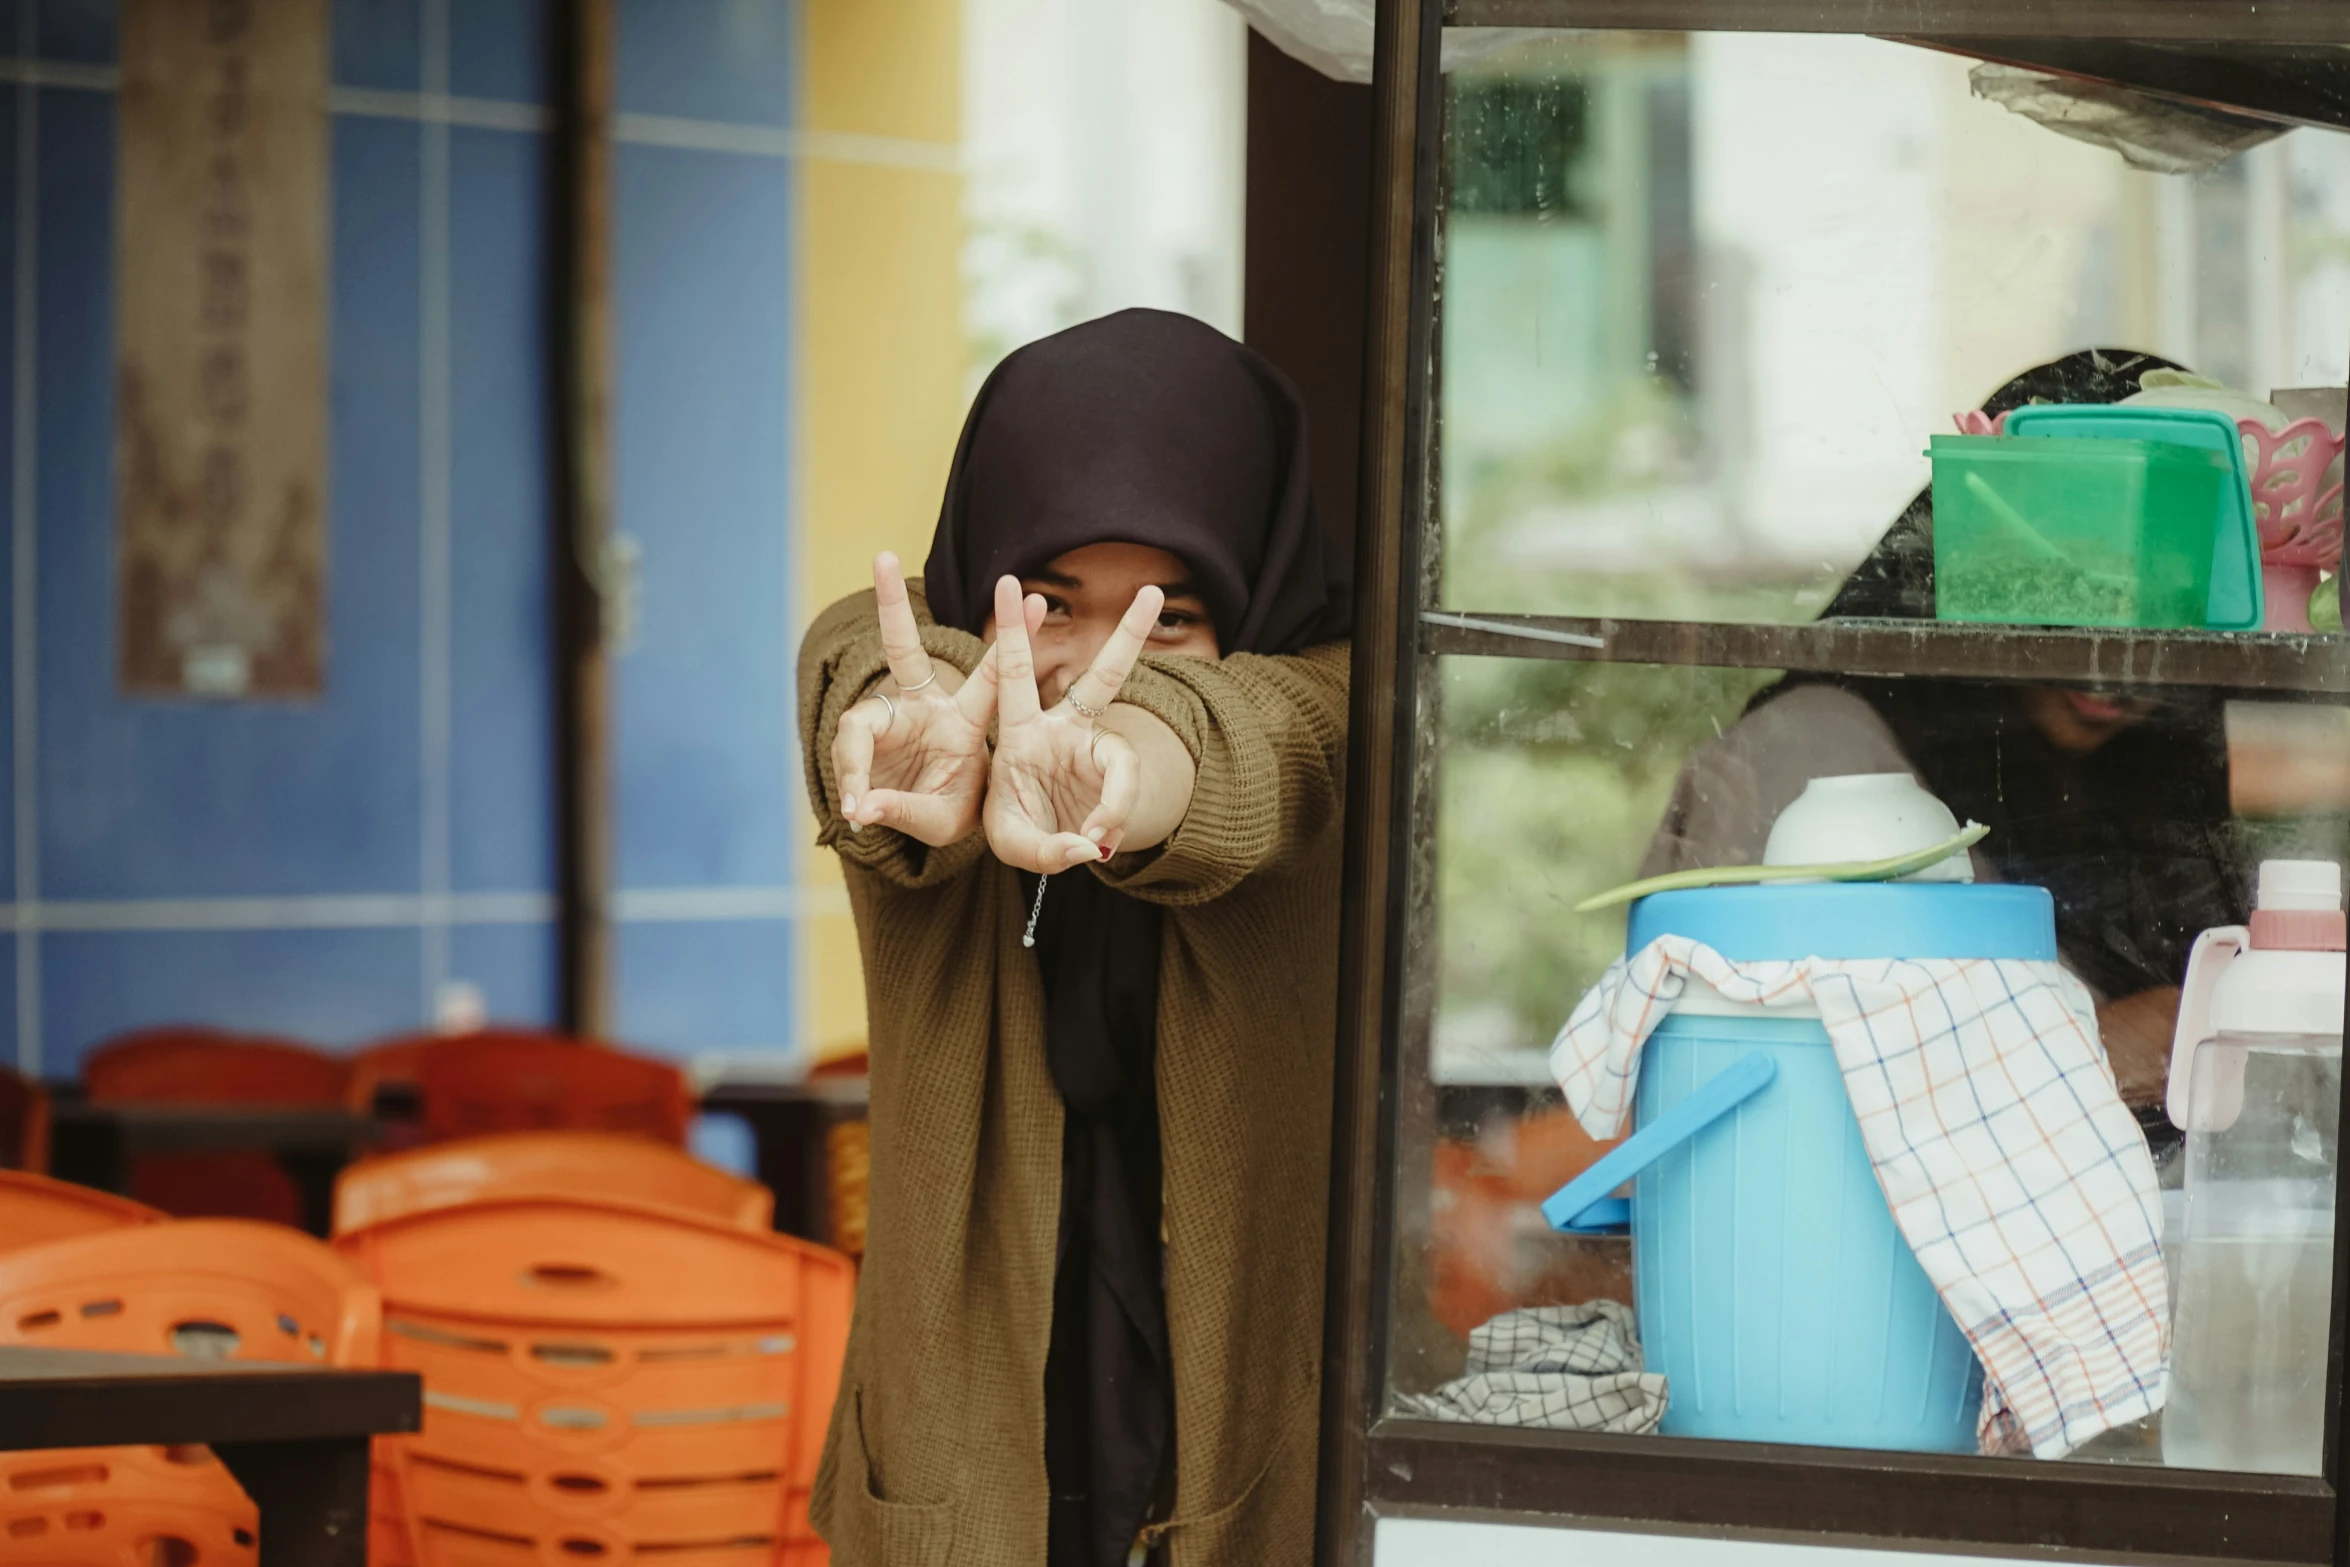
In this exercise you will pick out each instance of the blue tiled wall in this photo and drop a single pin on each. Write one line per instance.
(159, 824)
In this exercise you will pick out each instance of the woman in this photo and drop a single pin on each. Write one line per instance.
(2115, 803)
(1090, 1315)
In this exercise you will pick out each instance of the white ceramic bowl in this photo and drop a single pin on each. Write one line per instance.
(1866, 816)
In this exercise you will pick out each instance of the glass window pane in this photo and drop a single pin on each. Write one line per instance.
(1706, 298)
(2146, 814)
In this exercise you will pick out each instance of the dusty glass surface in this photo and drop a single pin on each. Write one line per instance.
(1547, 781)
(1703, 301)
(1706, 297)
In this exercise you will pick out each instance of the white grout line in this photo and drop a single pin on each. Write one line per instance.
(668, 905)
(437, 106)
(25, 71)
(435, 760)
(892, 152)
(361, 911)
(23, 556)
(402, 911)
(775, 141)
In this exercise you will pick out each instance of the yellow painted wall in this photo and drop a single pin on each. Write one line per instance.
(881, 355)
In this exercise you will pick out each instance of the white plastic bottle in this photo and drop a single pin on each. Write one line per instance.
(2256, 1084)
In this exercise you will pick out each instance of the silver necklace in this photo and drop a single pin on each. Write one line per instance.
(1028, 936)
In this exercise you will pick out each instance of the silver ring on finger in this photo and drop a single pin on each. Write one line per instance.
(1094, 750)
(1074, 701)
(924, 684)
(893, 709)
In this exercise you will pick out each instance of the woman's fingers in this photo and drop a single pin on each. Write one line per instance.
(1053, 852)
(852, 757)
(977, 698)
(1018, 840)
(901, 638)
(1121, 787)
(1115, 661)
(1016, 699)
(925, 817)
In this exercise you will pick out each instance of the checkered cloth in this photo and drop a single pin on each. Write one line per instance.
(1567, 1368)
(2010, 1163)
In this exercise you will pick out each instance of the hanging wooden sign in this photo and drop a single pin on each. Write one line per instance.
(220, 320)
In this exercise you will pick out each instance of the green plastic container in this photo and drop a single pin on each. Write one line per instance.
(2054, 531)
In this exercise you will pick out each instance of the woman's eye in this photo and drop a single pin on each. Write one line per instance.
(1176, 624)
(1054, 608)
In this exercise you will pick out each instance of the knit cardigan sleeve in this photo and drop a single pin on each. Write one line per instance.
(841, 660)
(1268, 734)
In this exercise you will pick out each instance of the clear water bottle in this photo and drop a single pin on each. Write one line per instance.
(2256, 1084)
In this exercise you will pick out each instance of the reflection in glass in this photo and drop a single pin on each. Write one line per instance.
(2144, 814)
(1706, 297)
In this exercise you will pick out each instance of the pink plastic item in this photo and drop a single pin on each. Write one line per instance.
(2300, 529)
(1976, 422)
(2298, 526)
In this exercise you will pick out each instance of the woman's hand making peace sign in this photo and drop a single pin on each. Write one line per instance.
(913, 756)
(1065, 788)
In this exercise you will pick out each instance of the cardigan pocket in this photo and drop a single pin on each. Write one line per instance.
(894, 1534)
(1270, 1522)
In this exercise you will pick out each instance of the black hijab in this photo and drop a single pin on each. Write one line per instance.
(2133, 840)
(1142, 428)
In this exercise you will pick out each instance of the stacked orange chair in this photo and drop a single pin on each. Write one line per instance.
(24, 1123)
(603, 1382)
(35, 1209)
(208, 1287)
(210, 1066)
(552, 1164)
(1492, 1250)
(511, 1080)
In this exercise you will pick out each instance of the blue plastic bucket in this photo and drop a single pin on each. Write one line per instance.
(1774, 1291)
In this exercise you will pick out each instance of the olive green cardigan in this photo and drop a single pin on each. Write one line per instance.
(936, 1452)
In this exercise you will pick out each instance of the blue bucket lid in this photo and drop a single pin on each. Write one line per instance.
(1853, 920)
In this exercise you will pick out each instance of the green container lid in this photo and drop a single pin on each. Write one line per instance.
(2237, 600)
(2056, 531)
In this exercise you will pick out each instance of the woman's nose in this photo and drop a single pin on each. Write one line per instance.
(1058, 669)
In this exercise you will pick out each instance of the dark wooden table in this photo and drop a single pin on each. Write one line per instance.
(294, 1436)
(94, 1144)
(788, 1122)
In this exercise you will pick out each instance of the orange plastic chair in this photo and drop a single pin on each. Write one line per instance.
(210, 1287)
(389, 1063)
(511, 1080)
(499, 1082)
(35, 1209)
(209, 1066)
(551, 1164)
(604, 1381)
(1492, 1250)
(24, 1123)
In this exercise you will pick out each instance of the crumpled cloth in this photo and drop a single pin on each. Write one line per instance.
(2012, 1167)
(1567, 1368)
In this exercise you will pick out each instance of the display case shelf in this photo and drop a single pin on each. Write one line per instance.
(2310, 667)
(2236, 21)
(2010, 1505)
